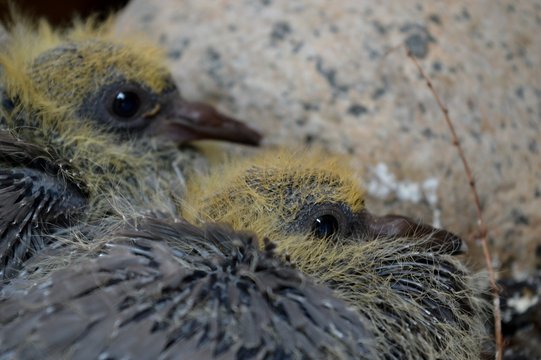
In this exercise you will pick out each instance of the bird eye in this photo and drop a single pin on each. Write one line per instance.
(324, 220)
(325, 226)
(126, 104)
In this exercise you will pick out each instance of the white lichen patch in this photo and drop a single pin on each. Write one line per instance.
(384, 183)
(522, 303)
(519, 304)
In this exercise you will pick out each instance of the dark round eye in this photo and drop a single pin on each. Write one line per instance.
(325, 226)
(126, 104)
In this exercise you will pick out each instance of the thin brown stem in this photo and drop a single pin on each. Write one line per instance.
(483, 230)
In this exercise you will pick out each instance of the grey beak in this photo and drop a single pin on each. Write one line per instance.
(190, 121)
(394, 226)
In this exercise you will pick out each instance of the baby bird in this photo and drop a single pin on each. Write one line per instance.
(165, 290)
(86, 119)
(421, 302)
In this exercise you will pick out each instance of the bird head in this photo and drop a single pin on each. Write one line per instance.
(96, 108)
(397, 272)
(315, 196)
(84, 118)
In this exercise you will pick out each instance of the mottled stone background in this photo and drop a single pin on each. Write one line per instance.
(333, 73)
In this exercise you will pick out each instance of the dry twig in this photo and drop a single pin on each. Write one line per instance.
(483, 230)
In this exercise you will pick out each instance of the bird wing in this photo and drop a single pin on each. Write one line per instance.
(32, 201)
(147, 299)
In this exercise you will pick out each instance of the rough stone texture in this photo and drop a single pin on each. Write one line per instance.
(333, 73)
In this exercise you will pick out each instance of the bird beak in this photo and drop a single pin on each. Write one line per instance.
(189, 121)
(395, 226)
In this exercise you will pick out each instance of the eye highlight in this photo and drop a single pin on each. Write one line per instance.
(126, 104)
(325, 226)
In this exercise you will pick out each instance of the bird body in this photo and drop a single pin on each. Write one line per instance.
(97, 116)
(203, 294)
(165, 290)
(421, 301)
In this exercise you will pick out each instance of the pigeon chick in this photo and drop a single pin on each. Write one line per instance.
(172, 290)
(421, 301)
(86, 119)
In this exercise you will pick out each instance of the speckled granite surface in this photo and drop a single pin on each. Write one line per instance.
(332, 73)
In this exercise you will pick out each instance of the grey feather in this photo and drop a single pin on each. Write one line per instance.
(172, 290)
